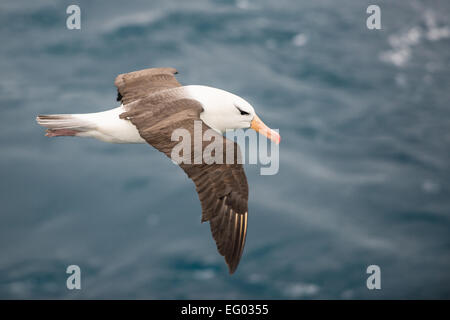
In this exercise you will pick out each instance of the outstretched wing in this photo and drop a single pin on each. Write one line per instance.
(136, 85)
(222, 188)
(223, 193)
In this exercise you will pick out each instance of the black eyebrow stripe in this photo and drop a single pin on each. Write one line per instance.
(241, 110)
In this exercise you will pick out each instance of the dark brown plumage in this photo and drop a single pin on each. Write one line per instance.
(154, 103)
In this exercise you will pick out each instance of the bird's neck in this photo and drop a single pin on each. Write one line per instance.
(216, 103)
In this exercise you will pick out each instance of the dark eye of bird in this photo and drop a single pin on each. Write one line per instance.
(243, 113)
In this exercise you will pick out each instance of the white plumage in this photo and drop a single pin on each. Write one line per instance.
(221, 112)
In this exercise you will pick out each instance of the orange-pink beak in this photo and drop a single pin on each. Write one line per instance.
(260, 127)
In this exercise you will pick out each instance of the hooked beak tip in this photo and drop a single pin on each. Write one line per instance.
(275, 136)
(260, 127)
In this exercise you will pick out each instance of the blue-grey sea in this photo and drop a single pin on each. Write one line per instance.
(364, 176)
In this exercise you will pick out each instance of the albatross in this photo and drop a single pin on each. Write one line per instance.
(153, 105)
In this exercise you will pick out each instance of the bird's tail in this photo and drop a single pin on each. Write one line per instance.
(64, 124)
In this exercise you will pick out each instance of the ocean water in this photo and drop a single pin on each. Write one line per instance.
(364, 160)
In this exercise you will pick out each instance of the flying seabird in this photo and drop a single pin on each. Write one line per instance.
(153, 105)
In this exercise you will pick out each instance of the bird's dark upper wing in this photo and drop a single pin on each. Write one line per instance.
(222, 188)
(135, 85)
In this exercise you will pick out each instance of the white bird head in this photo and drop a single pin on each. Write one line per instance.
(226, 111)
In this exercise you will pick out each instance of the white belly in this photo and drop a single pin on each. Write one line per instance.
(110, 128)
